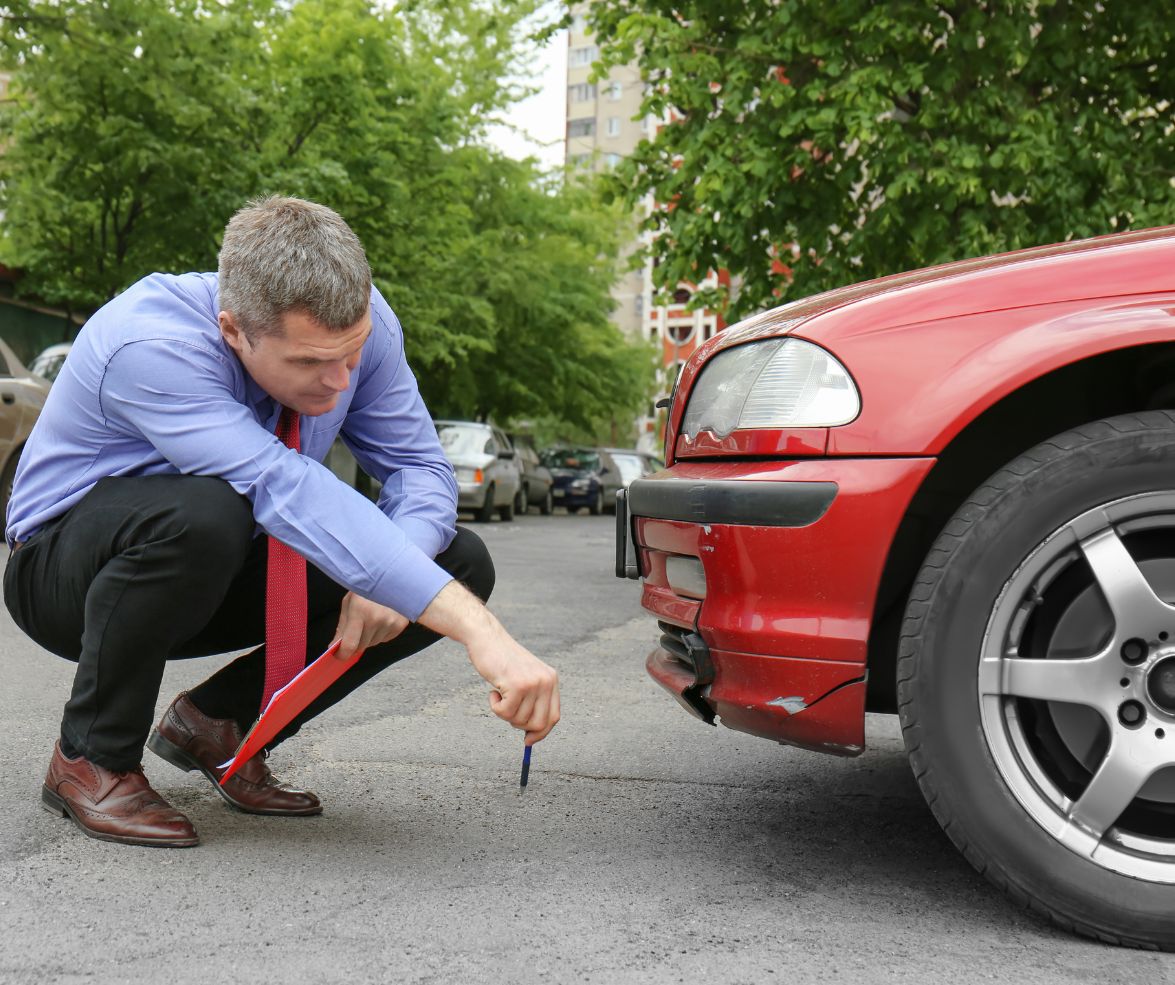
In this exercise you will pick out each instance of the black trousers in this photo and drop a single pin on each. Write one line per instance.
(152, 568)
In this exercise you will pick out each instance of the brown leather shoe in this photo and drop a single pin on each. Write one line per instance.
(189, 739)
(113, 806)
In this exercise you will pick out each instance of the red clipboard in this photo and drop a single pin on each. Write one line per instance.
(285, 704)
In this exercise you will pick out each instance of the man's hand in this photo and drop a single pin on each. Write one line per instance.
(526, 690)
(364, 624)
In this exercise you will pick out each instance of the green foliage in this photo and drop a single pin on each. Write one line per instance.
(136, 128)
(853, 139)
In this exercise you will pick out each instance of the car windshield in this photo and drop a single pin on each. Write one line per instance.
(47, 367)
(630, 466)
(462, 439)
(571, 458)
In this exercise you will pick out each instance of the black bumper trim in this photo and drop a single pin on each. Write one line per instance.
(745, 502)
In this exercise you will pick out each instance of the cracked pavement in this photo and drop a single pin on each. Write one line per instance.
(648, 847)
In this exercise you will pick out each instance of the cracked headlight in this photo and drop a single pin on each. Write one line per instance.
(777, 383)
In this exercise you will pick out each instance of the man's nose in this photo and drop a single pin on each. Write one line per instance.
(338, 377)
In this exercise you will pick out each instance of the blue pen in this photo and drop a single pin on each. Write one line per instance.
(525, 770)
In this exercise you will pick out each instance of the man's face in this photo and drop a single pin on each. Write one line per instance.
(306, 366)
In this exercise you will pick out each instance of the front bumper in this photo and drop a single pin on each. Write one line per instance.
(792, 554)
(563, 496)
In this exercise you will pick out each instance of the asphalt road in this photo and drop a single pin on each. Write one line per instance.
(649, 848)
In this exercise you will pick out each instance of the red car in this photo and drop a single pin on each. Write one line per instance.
(948, 494)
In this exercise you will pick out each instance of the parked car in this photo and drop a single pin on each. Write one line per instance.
(47, 364)
(488, 475)
(949, 494)
(576, 480)
(620, 466)
(536, 479)
(22, 395)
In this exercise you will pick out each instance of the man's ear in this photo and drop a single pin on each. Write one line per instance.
(231, 332)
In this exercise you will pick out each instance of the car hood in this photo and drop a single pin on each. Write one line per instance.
(1042, 275)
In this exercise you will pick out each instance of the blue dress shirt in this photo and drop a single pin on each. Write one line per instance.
(151, 388)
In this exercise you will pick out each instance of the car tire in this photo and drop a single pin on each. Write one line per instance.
(507, 512)
(597, 504)
(486, 513)
(522, 501)
(547, 506)
(1015, 673)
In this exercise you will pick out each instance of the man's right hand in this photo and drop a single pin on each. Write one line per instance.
(525, 690)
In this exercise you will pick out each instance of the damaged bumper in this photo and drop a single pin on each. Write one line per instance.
(763, 577)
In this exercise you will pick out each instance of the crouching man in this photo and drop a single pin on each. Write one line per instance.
(171, 503)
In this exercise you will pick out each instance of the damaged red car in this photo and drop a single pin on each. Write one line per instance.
(947, 494)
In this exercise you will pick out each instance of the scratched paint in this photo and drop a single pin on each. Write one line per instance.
(791, 705)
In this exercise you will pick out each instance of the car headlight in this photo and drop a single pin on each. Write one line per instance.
(580, 485)
(777, 383)
(469, 475)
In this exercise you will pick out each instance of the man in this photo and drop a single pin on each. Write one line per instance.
(135, 512)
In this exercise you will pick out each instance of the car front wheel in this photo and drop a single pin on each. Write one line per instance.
(1036, 679)
(486, 513)
(597, 504)
(548, 504)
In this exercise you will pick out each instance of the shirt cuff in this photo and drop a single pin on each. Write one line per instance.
(410, 583)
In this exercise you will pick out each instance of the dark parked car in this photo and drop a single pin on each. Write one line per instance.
(576, 478)
(536, 479)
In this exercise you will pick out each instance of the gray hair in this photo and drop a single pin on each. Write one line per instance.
(287, 254)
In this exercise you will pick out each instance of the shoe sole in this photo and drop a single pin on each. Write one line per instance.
(168, 751)
(56, 805)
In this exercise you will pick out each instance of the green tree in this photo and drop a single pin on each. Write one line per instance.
(122, 139)
(852, 139)
(137, 128)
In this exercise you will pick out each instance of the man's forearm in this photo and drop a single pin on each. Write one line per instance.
(526, 690)
(457, 613)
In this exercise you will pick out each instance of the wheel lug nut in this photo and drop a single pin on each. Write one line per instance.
(1134, 651)
(1131, 714)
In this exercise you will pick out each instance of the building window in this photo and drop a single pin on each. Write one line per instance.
(579, 24)
(613, 126)
(614, 91)
(583, 92)
(681, 295)
(585, 126)
(583, 56)
(611, 160)
(581, 160)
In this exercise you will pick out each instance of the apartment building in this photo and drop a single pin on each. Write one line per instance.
(604, 125)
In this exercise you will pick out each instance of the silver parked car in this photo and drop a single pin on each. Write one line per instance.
(488, 474)
(22, 395)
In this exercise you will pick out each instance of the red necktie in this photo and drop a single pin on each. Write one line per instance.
(285, 595)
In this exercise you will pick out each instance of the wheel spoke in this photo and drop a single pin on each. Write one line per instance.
(1137, 610)
(1114, 785)
(1079, 682)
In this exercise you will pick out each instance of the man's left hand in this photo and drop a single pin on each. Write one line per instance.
(364, 624)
